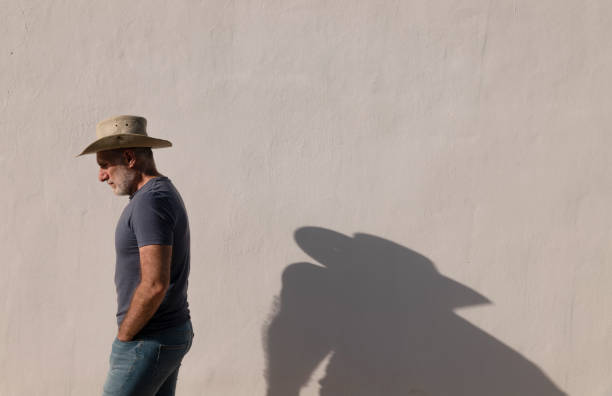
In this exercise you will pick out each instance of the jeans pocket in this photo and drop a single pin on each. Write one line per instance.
(171, 352)
(124, 353)
(169, 359)
(123, 361)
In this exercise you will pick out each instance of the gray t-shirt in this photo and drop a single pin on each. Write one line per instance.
(155, 215)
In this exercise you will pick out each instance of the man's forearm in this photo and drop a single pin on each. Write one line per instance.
(145, 302)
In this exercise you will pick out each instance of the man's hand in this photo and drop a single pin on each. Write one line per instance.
(154, 281)
(119, 337)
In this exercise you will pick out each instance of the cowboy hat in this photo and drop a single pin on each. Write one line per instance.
(123, 131)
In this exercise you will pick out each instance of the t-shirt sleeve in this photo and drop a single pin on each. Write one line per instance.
(153, 220)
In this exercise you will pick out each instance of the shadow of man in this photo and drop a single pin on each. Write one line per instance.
(385, 315)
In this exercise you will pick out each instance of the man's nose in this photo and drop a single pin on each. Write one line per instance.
(102, 175)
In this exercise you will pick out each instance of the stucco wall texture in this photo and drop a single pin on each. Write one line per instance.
(386, 197)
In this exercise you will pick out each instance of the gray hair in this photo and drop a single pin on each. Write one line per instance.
(144, 158)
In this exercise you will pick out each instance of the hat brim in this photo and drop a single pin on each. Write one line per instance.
(124, 140)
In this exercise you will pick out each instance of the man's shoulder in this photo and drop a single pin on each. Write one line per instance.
(156, 188)
(161, 193)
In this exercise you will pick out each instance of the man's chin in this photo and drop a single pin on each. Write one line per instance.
(118, 191)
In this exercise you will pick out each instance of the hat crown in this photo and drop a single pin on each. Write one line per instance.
(124, 124)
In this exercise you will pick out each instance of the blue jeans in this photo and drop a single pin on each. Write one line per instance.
(148, 365)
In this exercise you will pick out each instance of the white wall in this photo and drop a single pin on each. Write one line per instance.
(473, 134)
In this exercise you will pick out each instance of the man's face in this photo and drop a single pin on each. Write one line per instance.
(115, 171)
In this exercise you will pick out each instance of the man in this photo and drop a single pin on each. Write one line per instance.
(152, 265)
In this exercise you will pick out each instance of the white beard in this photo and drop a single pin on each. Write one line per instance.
(124, 180)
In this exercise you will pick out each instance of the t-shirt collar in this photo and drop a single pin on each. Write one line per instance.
(148, 185)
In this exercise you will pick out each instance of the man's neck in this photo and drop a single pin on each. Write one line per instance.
(144, 179)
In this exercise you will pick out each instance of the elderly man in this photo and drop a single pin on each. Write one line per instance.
(152, 267)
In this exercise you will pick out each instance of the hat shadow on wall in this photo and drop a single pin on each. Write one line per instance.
(385, 316)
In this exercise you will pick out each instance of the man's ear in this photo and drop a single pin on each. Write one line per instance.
(129, 157)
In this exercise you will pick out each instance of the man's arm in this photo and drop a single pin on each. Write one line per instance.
(154, 281)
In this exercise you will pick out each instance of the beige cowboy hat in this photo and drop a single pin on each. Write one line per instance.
(123, 131)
